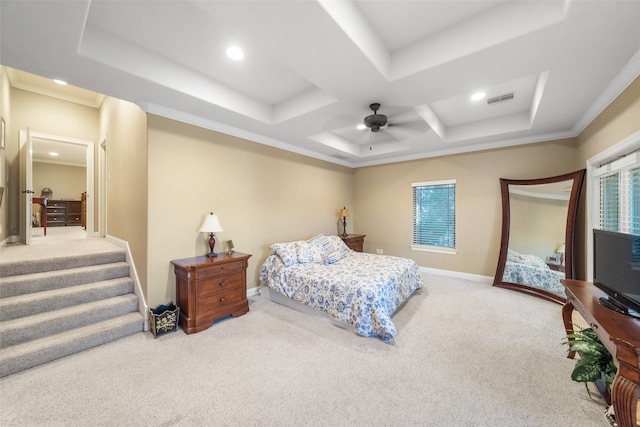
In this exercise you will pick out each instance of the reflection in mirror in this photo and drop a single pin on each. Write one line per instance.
(538, 223)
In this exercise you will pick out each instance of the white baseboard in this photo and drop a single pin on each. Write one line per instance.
(458, 275)
(143, 308)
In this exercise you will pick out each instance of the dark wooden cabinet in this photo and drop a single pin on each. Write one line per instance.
(74, 212)
(620, 334)
(56, 213)
(354, 241)
(210, 288)
(64, 212)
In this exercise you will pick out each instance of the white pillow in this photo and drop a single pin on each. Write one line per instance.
(309, 253)
(323, 243)
(287, 252)
(340, 249)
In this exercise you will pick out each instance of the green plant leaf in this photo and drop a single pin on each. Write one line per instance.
(585, 371)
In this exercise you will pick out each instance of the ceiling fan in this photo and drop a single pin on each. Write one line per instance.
(375, 121)
(405, 124)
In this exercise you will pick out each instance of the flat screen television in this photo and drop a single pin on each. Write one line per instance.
(616, 270)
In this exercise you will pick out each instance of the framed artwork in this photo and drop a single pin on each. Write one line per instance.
(2, 132)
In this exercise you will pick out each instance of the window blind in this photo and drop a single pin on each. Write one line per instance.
(434, 214)
(619, 195)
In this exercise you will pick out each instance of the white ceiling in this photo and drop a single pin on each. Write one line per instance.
(312, 67)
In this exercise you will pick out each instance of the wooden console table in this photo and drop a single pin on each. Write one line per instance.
(620, 334)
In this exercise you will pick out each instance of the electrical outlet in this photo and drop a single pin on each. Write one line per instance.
(379, 251)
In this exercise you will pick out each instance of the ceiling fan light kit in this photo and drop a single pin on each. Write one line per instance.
(375, 121)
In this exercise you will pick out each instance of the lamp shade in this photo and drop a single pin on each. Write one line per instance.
(344, 212)
(561, 249)
(211, 224)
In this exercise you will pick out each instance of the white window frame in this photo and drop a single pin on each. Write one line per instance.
(429, 248)
(597, 166)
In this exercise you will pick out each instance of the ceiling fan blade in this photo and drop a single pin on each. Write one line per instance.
(402, 132)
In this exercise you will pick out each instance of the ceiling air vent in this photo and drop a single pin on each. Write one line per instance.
(501, 98)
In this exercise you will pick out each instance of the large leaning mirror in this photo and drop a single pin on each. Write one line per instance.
(538, 227)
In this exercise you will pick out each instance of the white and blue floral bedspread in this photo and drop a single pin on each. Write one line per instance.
(361, 289)
(533, 271)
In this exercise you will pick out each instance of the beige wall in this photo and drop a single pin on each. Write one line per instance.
(262, 195)
(123, 129)
(619, 120)
(537, 225)
(46, 115)
(383, 200)
(66, 182)
(5, 96)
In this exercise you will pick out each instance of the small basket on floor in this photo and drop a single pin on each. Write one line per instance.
(164, 319)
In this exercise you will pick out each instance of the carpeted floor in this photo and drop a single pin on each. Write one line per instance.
(466, 354)
(59, 242)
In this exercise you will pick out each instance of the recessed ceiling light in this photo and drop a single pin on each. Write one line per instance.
(361, 126)
(235, 53)
(53, 154)
(60, 82)
(478, 96)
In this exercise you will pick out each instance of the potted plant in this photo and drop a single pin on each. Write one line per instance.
(595, 363)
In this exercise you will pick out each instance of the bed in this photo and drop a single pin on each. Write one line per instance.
(359, 289)
(530, 270)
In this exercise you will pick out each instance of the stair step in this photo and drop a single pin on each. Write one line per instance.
(29, 328)
(27, 305)
(33, 353)
(28, 266)
(43, 281)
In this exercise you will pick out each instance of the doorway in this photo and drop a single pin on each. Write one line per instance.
(58, 153)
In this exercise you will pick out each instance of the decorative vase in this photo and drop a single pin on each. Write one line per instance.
(603, 388)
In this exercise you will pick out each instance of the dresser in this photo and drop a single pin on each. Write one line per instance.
(354, 241)
(64, 212)
(210, 288)
(56, 213)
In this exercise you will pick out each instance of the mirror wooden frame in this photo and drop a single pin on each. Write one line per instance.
(577, 178)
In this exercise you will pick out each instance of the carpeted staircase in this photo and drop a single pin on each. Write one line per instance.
(56, 307)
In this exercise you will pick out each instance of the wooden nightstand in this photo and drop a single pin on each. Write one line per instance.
(208, 289)
(354, 241)
(556, 267)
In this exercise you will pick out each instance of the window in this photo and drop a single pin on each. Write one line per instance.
(434, 216)
(618, 191)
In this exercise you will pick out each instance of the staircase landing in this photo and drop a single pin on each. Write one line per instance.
(59, 242)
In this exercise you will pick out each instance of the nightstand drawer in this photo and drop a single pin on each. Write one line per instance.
(218, 284)
(54, 210)
(218, 300)
(221, 269)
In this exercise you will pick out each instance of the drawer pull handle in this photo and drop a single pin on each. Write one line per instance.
(221, 283)
(221, 299)
(594, 326)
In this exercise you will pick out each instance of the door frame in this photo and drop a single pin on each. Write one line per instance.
(90, 170)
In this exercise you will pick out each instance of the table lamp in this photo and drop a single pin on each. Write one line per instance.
(211, 225)
(344, 213)
(560, 252)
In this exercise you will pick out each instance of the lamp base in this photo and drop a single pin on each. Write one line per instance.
(212, 244)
